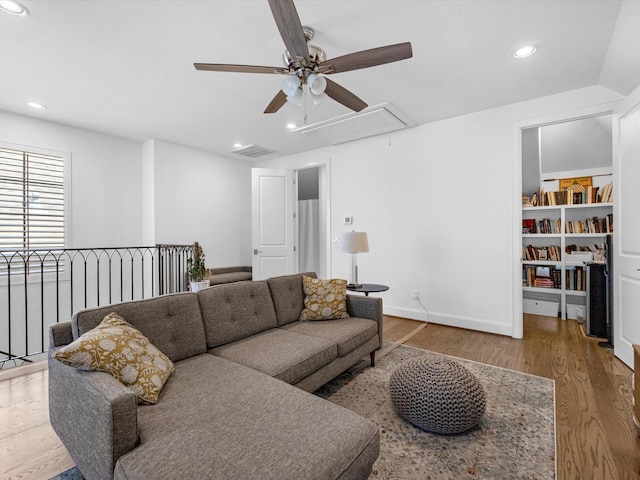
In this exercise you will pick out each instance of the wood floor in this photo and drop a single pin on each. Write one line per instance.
(596, 439)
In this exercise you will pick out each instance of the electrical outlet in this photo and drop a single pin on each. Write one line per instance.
(416, 294)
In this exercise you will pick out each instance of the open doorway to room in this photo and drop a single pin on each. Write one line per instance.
(309, 223)
(567, 221)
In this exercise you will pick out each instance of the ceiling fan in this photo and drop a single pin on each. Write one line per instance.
(306, 64)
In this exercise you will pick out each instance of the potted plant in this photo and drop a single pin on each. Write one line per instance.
(196, 269)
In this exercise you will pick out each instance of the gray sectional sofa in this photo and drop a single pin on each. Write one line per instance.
(231, 409)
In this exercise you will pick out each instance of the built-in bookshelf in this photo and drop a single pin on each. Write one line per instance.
(557, 242)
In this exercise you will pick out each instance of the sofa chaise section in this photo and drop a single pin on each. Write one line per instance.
(237, 423)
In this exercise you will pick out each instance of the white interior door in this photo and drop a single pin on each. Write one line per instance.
(272, 231)
(626, 266)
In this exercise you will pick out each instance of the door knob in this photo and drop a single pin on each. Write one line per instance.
(256, 251)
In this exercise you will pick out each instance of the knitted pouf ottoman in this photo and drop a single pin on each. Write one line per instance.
(437, 395)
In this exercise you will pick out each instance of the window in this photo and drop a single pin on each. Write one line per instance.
(32, 210)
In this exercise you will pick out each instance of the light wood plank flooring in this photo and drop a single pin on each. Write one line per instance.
(596, 439)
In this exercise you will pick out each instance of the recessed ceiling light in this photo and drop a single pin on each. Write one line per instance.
(291, 126)
(14, 8)
(237, 145)
(525, 51)
(36, 105)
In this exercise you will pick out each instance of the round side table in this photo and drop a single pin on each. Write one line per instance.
(367, 288)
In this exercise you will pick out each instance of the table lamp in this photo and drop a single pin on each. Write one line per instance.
(354, 243)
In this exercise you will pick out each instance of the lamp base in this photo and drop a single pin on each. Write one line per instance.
(354, 285)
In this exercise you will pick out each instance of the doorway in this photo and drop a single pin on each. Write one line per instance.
(540, 166)
(309, 220)
(277, 231)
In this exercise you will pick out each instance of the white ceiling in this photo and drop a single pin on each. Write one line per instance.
(126, 67)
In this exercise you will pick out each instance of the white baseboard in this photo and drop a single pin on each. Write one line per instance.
(470, 323)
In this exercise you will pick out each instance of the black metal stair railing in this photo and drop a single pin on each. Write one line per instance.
(41, 287)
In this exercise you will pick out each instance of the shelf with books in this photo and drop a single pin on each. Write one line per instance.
(541, 276)
(581, 196)
(562, 238)
(542, 252)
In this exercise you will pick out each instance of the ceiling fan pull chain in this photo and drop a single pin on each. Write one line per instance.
(305, 93)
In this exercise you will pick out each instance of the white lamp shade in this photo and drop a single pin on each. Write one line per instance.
(354, 242)
(316, 83)
(318, 98)
(296, 98)
(290, 85)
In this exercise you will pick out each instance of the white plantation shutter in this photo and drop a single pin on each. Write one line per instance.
(31, 210)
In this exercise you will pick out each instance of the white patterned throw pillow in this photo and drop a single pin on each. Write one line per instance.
(324, 299)
(118, 348)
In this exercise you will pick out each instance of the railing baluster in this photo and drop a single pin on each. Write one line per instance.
(132, 278)
(26, 307)
(42, 262)
(167, 275)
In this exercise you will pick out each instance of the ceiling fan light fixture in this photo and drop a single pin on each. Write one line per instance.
(290, 84)
(525, 51)
(317, 84)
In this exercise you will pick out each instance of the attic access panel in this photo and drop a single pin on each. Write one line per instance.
(369, 122)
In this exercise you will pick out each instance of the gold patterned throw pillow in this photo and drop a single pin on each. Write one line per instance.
(118, 348)
(324, 299)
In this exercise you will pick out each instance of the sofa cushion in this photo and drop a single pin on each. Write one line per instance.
(171, 322)
(235, 311)
(324, 299)
(288, 296)
(237, 423)
(117, 348)
(287, 356)
(348, 333)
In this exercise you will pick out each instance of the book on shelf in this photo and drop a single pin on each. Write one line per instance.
(529, 225)
(606, 194)
(576, 278)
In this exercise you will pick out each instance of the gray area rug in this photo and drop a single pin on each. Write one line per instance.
(514, 440)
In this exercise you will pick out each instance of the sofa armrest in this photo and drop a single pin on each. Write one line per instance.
(94, 415)
(366, 307)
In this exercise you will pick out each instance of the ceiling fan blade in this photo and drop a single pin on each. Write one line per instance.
(288, 22)
(344, 96)
(276, 104)
(368, 58)
(224, 67)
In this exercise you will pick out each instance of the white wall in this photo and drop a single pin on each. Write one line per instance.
(437, 202)
(581, 144)
(105, 179)
(199, 196)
